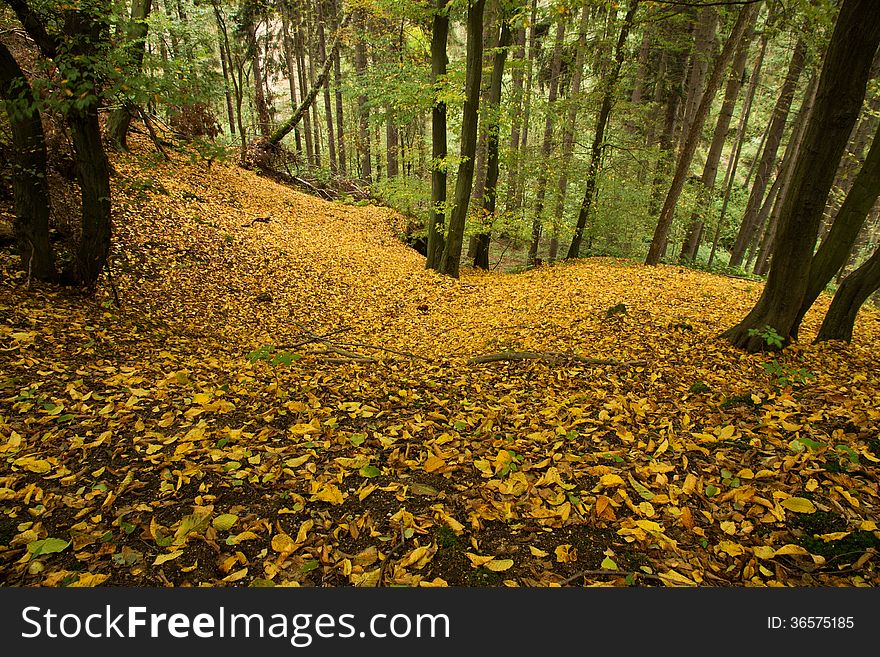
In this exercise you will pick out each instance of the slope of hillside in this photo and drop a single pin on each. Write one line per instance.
(285, 397)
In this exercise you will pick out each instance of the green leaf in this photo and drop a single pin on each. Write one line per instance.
(711, 490)
(369, 471)
(357, 439)
(309, 566)
(47, 546)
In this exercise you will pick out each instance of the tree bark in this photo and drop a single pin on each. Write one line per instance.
(658, 243)
(855, 289)
(451, 259)
(837, 245)
(492, 117)
(701, 55)
(439, 61)
(328, 104)
(839, 99)
(360, 67)
(30, 187)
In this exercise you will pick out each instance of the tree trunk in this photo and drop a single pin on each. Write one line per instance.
(136, 36)
(599, 134)
(337, 88)
(516, 123)
(853, 292)
(839, 99)
(360, 67)
(701, 56)
(547, 145)
(837, 245)
(750, 227)
(733, 162)
(309, 98)
(439, 60)
(290, 62)
(493, 118)
(263, 121)
(29, 183)
(691, 245)
(328, 104)
(658, 243)
(452, 249)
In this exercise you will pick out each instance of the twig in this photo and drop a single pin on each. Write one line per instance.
(610, 573)
(112, 282)
(390, 554)
(551, 356)
(153, 136)
(30, 262)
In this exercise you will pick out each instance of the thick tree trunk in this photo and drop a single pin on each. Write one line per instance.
(599, 133)
(837, 245)
(492, 116)
(855, 289)
(136, 35)
(839, 98)
(439, 60)
(263, 120)
(750, 226)
(658, 243)
(29, 183)
(547, 144)
(451, 259)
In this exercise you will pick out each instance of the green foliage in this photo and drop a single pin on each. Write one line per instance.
(785, 376)
(769, 335)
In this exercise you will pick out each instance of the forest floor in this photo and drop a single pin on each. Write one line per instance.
(284, 397)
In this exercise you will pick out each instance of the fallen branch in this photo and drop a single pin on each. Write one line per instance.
(390, 351)
(390, 554)
(550, 356)
(609, 573)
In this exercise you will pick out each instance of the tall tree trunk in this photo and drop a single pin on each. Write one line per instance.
(290, 62)
(136, 36)
(360, 67)
(516, 122)
(701, 56)
(308, 134)
(451, 259)
(792, 151)
(337, 88)
(493, 119)
(722, 127)
(749, 226)
(439, 60)
(225, 65)
(658, 243)
(838, 102)
(599, 134)
(30, 185)
(547, 144)
(263, 120)
(733, 162)
(328, 104)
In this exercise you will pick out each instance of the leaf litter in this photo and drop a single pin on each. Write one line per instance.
(287, 398)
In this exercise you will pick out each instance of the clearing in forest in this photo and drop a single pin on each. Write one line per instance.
(286, 397)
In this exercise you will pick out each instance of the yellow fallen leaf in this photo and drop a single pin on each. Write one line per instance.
(162, 558)
(565, 553)
(798, 504)
(284, 544)
(499, 565)
(327, 493)
(478, 560)
(89, 580)
(433, 463)
(537, 553)
(237, 575)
